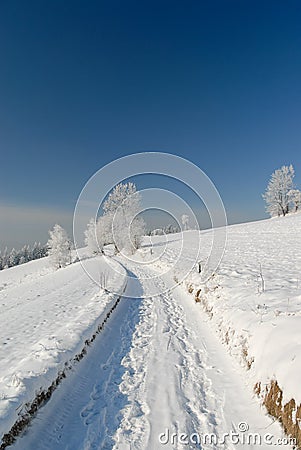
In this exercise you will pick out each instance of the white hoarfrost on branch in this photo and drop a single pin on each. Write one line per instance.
(104, 232)
(98, 234)
(277, 196)
(137, 230)
(91, 237)
(295, 199)
(59, 247)
(119, 194)
(123, 206)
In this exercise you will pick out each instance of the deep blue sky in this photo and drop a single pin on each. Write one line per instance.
(85, 82)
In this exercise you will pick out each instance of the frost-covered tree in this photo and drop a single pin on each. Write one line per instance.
(22, 260)
(276, 195)
(59, 247)
(13, 259)
(25, 253)
(104, 231)
(122, 224)
(99, 233)
(295, 199)
(118, 195)
(170, 229)
(137, 230)
(157, 232)
(17, 257)
(38, 251)
(5, 259)
(185, 221)
(91, 237)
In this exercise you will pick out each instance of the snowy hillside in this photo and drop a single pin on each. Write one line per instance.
(254, 301)
(177, 362)
(46, 316)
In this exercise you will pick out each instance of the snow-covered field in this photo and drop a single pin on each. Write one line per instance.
(253, 298)
(156, 373)
(161, 364)
(46, 316)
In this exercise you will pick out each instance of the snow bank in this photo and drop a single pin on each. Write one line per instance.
(46, 317)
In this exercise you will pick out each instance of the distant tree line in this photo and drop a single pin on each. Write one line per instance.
(281, 195)
(168, 229)
(26, 254)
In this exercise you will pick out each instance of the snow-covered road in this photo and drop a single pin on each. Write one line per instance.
(156, 377)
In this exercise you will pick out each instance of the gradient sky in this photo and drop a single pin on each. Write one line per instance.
(85, 82)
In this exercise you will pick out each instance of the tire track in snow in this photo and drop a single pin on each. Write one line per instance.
(83, 412)
(101, 414)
